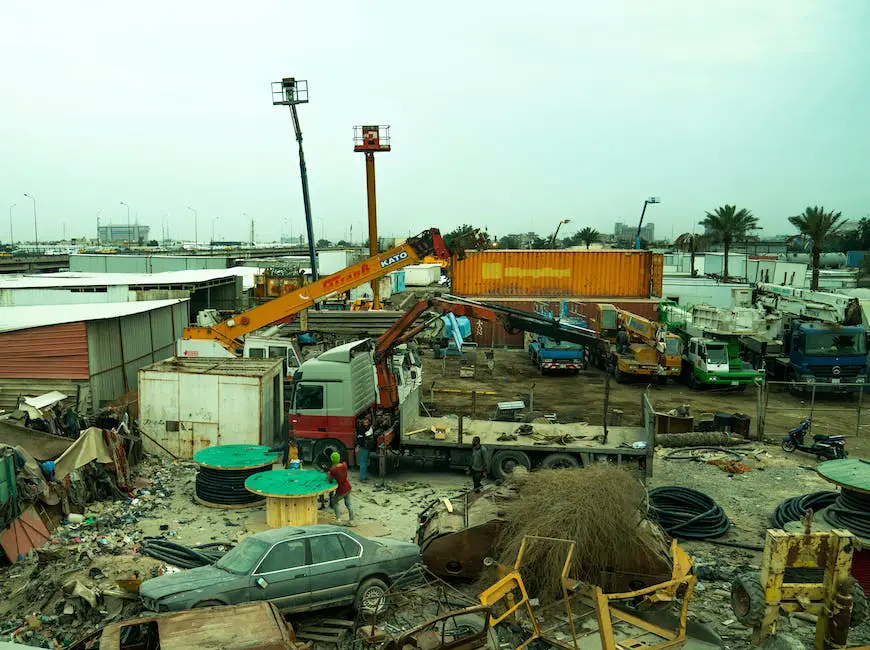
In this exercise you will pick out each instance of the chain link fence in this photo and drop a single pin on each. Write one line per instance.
(840, 410)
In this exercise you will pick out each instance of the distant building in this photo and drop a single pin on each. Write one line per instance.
(123, 234)
(624, 231)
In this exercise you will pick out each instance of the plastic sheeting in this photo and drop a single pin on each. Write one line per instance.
(90, 446)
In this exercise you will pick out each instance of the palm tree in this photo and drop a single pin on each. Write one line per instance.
(727, 224)
(816, 225)
(588, 236)
(691, 243)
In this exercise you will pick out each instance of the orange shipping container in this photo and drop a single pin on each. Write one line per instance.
(555, 274)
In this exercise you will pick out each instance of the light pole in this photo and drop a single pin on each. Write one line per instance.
(652, 199)
(99, 239)
(290, 92)
(556, 234)
(129, 228)
(195, 230)
(11, 238)
(35, 233)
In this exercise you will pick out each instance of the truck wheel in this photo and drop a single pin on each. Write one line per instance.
(560, 461)
(747, 598)
(323, 450)
(505, 461)
(618, 375)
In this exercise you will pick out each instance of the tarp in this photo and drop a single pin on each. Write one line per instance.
(47, 399)
(40, 445)
(90, 446)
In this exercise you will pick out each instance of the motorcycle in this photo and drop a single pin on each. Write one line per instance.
(824, 447)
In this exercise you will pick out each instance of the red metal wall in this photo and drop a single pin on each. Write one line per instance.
(52, 352)
(570, 274)
(489, 334)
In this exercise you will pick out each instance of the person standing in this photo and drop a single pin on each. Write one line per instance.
(338, 473)
(479, 463)
(365, 444)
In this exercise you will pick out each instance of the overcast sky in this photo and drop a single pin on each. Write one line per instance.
(510, 115)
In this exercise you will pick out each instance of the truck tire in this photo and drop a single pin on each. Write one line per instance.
(323, 450)
(747, 598)
(504, 461)
(560, 461)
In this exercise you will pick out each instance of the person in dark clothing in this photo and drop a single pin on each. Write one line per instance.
(479, 463)
(284, 449)
(366, 443)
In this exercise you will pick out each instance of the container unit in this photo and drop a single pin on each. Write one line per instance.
(854, 258)
(692, 291)
(714, 264)
(398, 279)
(188, 404)
(422, 275)
(573, 274)
(96, 263)
(364, 291)
(332, 261)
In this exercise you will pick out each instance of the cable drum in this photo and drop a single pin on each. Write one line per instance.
(794, 508)
(851, 511)
(685, 513)
(223, 470)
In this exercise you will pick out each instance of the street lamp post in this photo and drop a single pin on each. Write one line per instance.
(556, 234)
(11, 238)
(195, 230)
(652, 199)
(129, 228)
(35, 233)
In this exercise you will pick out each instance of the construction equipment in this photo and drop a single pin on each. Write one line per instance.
(631, 345)
(617, 628)
(227, 338)
(548, 354)
(830, 594)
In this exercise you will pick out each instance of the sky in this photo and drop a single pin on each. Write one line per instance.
(505, 115)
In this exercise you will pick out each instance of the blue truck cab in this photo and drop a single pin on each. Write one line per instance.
(551, 355)
(827, 355)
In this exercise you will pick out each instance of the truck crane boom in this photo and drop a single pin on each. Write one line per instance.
(230, 332)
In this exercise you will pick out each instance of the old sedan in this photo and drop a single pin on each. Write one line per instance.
(297, 569)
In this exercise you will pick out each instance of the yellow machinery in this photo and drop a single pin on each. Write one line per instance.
(230, 332)
(757, 599)
(635, 346)
(508, 599)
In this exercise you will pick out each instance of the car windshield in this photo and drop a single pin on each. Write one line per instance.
(673, 346)
(243, 557)
(717, 354)
(551, 344)
(832, 344)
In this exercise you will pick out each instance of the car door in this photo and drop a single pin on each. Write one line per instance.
(335, 567)
(284, 576)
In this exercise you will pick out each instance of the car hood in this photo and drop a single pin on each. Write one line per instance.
(205, 576)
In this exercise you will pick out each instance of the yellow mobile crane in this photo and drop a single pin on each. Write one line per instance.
(632, 345)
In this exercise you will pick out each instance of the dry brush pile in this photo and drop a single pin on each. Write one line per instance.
(602, 509)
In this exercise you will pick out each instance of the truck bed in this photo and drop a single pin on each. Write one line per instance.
(489, 430)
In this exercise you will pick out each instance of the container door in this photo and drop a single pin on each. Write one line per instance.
(204, 434)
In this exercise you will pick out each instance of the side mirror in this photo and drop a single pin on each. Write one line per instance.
(261, 582)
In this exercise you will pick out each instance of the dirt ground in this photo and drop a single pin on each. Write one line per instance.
(575, 398)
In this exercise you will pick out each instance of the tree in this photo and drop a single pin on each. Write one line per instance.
(691, 243)
(466, 237)
(817, 226)
(343, 244)
(509, 242)
(727, 224)
(588, 236)
(323, 243)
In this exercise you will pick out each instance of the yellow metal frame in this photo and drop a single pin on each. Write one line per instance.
(512, 582)
(831, 551)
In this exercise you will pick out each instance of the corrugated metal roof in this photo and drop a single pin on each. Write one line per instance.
(68, 279)
(216, 366)
(19, 318)
(57, 351)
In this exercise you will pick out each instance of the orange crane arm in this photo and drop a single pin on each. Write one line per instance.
(229, 332)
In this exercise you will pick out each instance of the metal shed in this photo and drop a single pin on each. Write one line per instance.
(90, 350)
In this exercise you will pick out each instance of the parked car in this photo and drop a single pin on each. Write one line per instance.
(296, 568)
(252, 626)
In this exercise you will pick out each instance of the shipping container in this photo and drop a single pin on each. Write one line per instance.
(422, 275)
(364, 291)
(570, 274)
(188, 404)
(854, 258)
(688, 291)
(398, 278)
(714, 264)
(333, 261)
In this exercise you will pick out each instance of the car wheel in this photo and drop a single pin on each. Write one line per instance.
(207, 603)
(371, 597)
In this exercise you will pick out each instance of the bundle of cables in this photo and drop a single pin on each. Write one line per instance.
(184, 557)
(794, 508)
(686, 513)
(851, 511)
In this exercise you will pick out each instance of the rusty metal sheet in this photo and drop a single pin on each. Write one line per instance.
(56, 351)
(26, 532)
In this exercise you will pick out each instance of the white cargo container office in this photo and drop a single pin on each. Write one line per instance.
(187, 404)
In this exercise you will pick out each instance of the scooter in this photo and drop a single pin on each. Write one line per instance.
(825, 447)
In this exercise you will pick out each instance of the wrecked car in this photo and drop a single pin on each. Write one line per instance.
(252, 626)
(296, 568)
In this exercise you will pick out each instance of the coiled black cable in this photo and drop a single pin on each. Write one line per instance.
(184, 557)
(851, 511)
(686, 513)
(226, 487)
(794, 508)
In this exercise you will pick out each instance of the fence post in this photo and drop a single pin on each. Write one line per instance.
(858, 417)
(759, 410)
(812, 408)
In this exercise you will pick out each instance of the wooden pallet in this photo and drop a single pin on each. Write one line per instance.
(327, 630)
